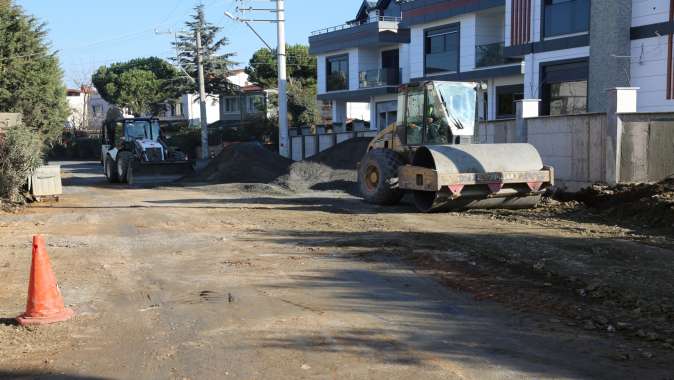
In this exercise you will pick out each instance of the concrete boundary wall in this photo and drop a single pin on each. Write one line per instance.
(573, 145)
(647, 149)
(497, 131)
(305, 146)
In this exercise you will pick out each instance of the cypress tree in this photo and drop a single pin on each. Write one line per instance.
(31, 81)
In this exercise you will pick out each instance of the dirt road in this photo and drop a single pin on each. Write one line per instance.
(252, 282)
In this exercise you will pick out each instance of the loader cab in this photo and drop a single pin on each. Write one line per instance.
(117, 132)
(437, 113)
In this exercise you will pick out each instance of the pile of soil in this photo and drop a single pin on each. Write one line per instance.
(344, 156)
(646, 205)
(331, 170)
(247, 162)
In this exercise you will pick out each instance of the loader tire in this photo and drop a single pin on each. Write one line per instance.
(378, 177)
(122, 167)
(110, 170)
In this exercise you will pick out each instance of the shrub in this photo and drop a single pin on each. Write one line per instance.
(20, 154)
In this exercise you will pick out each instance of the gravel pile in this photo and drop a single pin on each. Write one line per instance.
(248, 162)
(331, 170)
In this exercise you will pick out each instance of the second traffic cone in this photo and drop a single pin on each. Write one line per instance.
(45, 303)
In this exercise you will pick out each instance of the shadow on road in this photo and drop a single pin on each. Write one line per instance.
(499, 267)
(37, 375)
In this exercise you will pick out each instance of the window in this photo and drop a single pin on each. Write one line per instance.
(565, 17)
(177, 109)
(564, 88)
(506, 97)
(415, 117)
(231, 105)
(97, 110)
(337, 73)
(254, 103)
(442, 50)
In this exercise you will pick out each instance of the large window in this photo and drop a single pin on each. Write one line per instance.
(231, 104)
(565, 17)
(442, 50)
(506, 97)
(254, 103)
(337, 73)
(564, 88)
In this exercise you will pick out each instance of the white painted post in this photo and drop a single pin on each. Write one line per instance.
(282, 80)
(620, 100)
(525, 109)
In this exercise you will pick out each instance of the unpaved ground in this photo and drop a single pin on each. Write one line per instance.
(254, 282)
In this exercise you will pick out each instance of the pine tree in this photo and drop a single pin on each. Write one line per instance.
(30, 76)
(216, 65)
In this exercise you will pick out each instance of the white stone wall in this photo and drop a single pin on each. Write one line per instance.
(649, 73)
(320, 74)
(646, 12)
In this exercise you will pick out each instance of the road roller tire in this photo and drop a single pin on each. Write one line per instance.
(378, 177)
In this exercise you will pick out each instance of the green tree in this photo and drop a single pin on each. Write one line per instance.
(31, 82)
(263, 70)
(302, 106)
(263, 66)
(143, 85)
(216, 64)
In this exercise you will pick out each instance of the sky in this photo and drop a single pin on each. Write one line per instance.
(91, 33)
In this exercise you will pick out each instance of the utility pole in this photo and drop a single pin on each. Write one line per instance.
(280, 20)
(202, 95)
(284, 149)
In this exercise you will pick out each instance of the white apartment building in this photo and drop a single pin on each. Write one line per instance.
(566, 53)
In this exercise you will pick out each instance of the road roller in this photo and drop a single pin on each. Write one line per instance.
(430, 152)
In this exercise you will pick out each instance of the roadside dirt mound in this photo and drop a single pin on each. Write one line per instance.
(244, 163)
(649, 205)
(333, 169)
(306, 175)
(343, 156)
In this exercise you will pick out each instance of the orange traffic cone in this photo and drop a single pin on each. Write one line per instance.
(45, 303)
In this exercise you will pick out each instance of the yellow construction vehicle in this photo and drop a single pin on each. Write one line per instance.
(430, 152)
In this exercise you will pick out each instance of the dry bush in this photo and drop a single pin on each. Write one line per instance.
(20, 154)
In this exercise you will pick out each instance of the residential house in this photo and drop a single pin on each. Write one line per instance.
(87, 109)
(565, 52)
(187, 108)
(250, 101)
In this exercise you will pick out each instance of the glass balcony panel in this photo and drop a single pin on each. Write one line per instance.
(491, 55)
(380, 77)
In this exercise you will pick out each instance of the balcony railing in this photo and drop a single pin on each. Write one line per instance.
(379, 77)
(491, 55)
(337, 82)
(356, 23)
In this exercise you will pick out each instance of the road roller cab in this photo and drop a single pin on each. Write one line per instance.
(429, 152)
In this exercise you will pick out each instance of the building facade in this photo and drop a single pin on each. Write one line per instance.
(566, 53)
(87, 109)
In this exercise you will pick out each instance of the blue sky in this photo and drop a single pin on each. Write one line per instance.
(90, 33)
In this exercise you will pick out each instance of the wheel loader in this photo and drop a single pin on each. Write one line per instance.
(134, 151)
(429, 152)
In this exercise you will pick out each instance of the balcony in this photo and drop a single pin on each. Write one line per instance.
(375, 31)
(492, 55)
(379, 77)
(337, 82)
